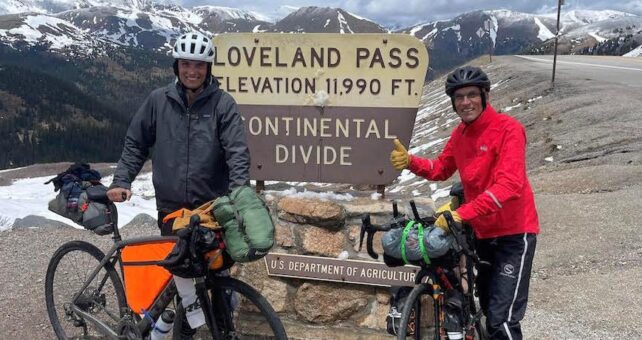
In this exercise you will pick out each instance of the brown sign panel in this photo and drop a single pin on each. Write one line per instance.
(330, 269)
(323, 107)
(332, 144)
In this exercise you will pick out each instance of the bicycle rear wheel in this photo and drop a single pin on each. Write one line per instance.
(240, 312)
(104, 298)
(413, 312)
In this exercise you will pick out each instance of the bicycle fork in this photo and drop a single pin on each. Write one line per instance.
(206, 305)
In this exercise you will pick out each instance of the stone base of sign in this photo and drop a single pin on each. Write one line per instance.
(312, 309)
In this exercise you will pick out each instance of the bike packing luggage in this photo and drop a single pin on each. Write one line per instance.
(143, 278)
(248, 229)
(83, 199)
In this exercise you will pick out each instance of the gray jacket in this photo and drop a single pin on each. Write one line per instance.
(199, 153)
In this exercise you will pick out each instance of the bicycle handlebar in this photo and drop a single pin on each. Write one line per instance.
(457, 230)
(399, 221)
(369, 229)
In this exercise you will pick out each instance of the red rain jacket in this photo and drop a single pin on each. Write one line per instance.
(490, 156)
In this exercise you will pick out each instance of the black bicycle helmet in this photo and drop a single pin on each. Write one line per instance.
(466, 76)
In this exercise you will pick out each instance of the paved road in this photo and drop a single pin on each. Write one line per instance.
(609, 69)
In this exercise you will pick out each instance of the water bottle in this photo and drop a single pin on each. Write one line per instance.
(163, 325)
(191, 304)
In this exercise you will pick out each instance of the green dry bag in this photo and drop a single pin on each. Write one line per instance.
(248, 230)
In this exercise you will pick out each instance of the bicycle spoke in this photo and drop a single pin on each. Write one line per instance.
(240, 312)
(103, 298)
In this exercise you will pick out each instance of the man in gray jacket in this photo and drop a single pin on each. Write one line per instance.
(199, 147)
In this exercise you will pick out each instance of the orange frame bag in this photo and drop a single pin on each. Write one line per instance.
(143, 278)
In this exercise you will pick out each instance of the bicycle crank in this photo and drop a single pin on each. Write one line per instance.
(127, 329)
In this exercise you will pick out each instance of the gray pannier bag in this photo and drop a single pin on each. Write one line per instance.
(84, 201)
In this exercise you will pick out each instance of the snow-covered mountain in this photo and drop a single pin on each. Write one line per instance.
(326, 20)
(137, 23)
(87, 26)
(465, 37)
(57, 6)
(65, 25)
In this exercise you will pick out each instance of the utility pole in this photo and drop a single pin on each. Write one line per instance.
(557, 33)
(487, 25)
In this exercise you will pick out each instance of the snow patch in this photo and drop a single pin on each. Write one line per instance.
(440, 193)
(343, 24)
(493, 29)
(416, 29)
(509, 108)
(636, 52)
(597, 37)
(457, 29)
(257, 29)
(323, 196)
(430, 34)
(544, 33)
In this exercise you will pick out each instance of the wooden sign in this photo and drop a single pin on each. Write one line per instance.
(336, 270)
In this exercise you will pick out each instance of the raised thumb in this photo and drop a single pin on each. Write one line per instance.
(399, 146)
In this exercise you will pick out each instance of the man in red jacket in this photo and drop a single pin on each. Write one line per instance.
(488, 149)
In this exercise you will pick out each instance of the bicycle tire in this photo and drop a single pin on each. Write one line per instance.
(252, 318)
(474, 306)
(414, 301)
(105, 300)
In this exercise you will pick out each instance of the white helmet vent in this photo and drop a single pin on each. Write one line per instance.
(194, 46)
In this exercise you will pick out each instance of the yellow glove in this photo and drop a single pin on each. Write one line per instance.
(450, 206)
(399, 157)
(443, 224)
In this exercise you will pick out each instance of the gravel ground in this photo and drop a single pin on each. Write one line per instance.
(585, 285)
(25, 254)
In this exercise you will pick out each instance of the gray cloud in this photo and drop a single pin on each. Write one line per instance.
(409, 12)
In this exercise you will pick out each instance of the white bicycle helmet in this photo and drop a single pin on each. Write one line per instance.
(194, 46)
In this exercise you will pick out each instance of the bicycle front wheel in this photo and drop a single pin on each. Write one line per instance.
(240, 312)
(416, 315)
(104, 298)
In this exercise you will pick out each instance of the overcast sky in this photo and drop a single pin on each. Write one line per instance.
(409, 12)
